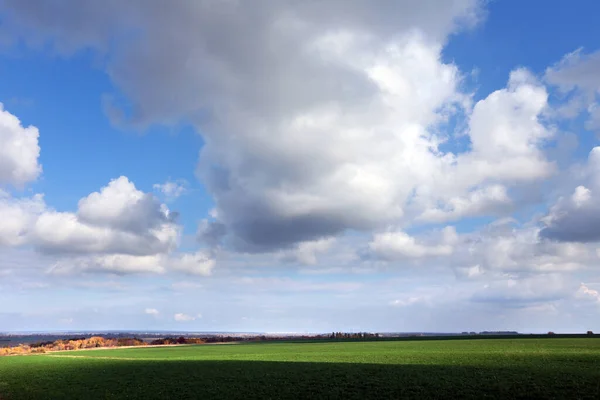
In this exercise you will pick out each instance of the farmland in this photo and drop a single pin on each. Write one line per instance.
(490, 368)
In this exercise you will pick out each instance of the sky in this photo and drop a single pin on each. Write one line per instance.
(286, 166)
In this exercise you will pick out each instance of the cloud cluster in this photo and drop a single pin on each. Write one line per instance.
(172, 190)
(517, 249)
(117, 220)
(314, 123)
(181, 317)
(119, 229)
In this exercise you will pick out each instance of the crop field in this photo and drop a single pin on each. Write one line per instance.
(491, 368)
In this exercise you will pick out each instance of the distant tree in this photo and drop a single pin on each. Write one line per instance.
(550, 333)
(590, 333)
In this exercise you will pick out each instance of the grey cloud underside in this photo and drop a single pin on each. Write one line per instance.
(578, 226)
(259, 228)
(211, 233)
(138, 217)
(264, 233)
(95, 21)
(575, 223)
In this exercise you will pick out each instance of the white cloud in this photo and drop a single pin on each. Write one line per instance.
(111, 263)
(506, 133)
(117, 220)
(470, 272)
(576, 70)
(121, 206)
(151, 311)
(19, 151)
(198, 263)
(489, 200)
(56, 232)
(181, 317)
(398, 245)
(585, 292)
(505, 249)
(534, 289)
(17, 216)
(578, 75)
(500, 248)
(172, 189)
(581, 196)
(306, 252)
(406, 302)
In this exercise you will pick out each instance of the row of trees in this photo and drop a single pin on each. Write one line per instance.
(71, 344)
(354, 335)
(179, 340)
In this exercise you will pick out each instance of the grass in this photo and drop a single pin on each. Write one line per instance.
(476, 369)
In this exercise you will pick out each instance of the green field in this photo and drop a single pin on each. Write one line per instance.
(493, 368)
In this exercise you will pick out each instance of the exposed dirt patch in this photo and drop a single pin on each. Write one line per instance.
(150, 346)
(103, 358)
(116, 348)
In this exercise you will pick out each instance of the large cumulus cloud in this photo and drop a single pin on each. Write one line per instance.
(317, 117)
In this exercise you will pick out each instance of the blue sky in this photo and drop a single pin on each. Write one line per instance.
(381, 166)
